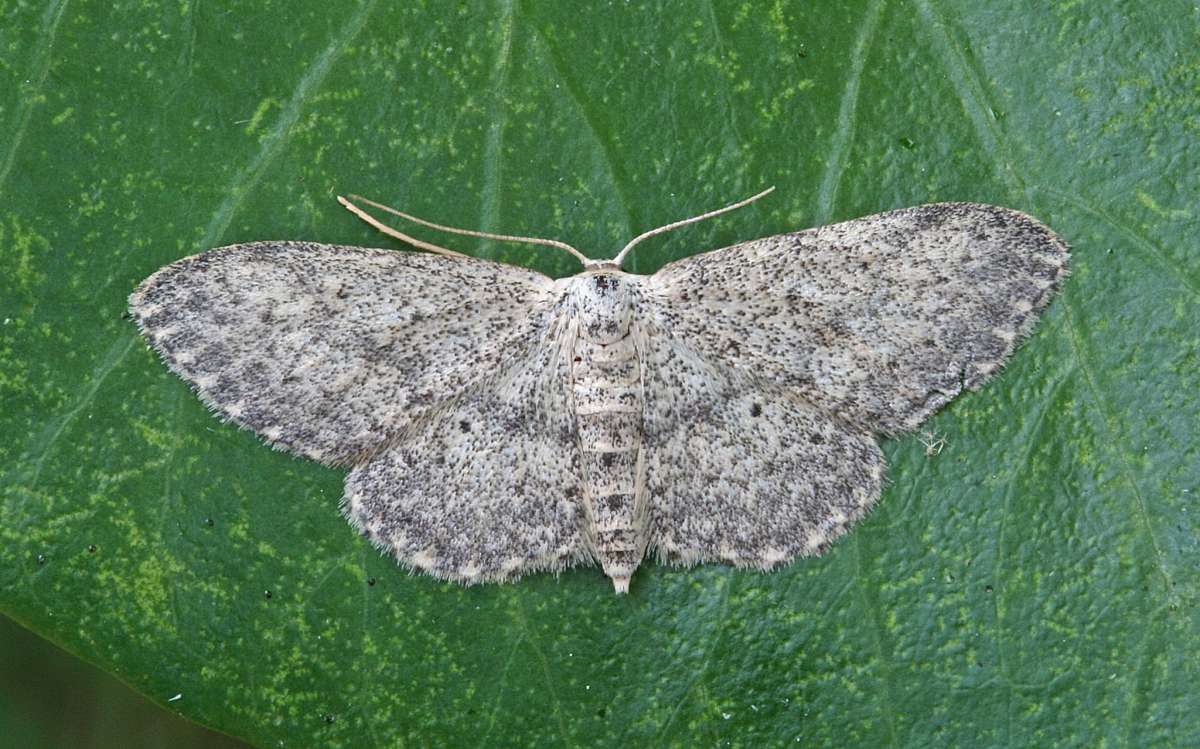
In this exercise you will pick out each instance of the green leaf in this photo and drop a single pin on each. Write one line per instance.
(1032, 584)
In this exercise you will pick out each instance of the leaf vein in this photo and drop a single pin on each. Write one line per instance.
(1107, 418)
(527, 634)
(273, 143)
(1029, 441)
(50, 435)
(40, 69)
(972, 94)
(1147, 248)
(610, 163)
(493, 146)
(843, 135)
(726, 92)
(719, 617)
(872, 609)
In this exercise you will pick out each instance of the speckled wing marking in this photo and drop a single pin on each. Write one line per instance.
(325, 350)
(488, 486)
(449, 386)
(771, 365)
(742, 471)
(880, 320)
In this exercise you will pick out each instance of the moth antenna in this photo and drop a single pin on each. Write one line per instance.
(684, 222)
(453, 230)
(395, 233)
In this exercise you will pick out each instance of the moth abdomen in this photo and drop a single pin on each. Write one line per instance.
(606, 385)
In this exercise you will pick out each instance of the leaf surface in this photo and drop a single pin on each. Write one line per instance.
(1034, 583)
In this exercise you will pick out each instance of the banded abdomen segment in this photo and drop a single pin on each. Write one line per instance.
(607, 387)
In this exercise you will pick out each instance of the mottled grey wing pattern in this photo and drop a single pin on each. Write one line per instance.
(743, 471)
(327, 350)
(880, 320)
(772, 364)
(448, 384)
(487, 486)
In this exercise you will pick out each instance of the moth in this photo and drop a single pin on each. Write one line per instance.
(497, 422)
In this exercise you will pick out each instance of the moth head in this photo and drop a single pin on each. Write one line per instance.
(604, 304)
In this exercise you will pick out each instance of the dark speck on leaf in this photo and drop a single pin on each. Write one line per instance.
(370, 581)
(756, 410)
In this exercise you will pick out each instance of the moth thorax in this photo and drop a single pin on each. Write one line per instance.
(605, 307)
